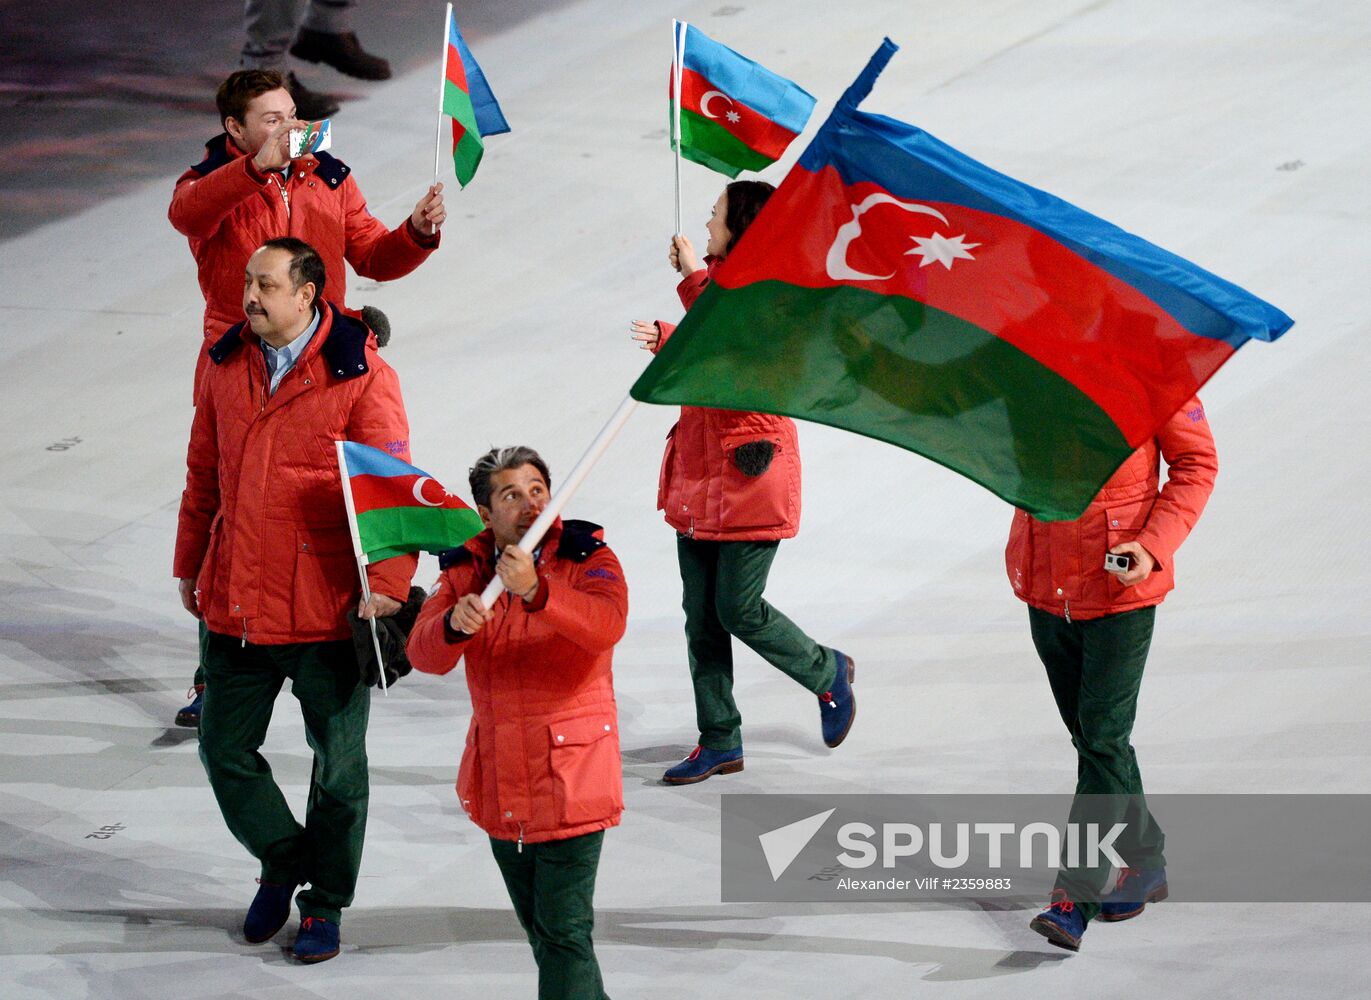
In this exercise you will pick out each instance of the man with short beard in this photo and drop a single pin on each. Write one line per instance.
(264, 558)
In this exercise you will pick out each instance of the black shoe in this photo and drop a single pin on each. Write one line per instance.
(343, 52)
(310, 105)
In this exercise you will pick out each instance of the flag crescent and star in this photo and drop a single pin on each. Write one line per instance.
(938, 247)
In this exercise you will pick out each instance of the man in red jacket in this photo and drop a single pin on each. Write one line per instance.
(1092, 625)
(264, 558)
(541, 773)
(247, 190)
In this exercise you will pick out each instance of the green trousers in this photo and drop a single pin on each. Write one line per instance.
(722, 583)
(241, 685)
(1095, 668)
(552, 886)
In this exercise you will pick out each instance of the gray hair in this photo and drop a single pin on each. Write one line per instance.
(499, 460)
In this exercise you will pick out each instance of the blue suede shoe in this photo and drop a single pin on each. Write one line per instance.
(1132, 892)
(702, 763)
(838, 705)
(1061, 923)
(318, 940)
(189, 716)
(269, 911)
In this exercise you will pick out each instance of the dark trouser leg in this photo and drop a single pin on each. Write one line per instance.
(1095, 669)
(552, 886)
(708, 646)
(739, 581)
(241, 684)
(335, 705)
(204, 644)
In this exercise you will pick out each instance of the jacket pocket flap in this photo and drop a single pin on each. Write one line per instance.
(575, 732)
(1126, 516)
(732, 441)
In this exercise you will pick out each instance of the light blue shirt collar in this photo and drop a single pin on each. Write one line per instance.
(281, 360)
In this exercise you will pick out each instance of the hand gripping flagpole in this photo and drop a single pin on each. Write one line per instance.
(678, 33)
(361, 559)
(442, 89)
(538, 528)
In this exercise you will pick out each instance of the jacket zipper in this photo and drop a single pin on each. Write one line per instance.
(245, 633)
(521, 838)
(285, 198)
(1066, 603)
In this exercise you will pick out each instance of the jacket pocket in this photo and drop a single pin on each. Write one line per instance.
(325, 579)
(1123, 523)
(469, 774)
(754, 501)
(587, 780)
(664, 476)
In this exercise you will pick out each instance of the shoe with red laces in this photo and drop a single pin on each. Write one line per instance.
(1061, 923)
(1132, 892)
(702, 763)
(318, 940)
(838, 705)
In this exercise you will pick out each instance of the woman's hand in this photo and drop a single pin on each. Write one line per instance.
(681, 256)
(646, 334)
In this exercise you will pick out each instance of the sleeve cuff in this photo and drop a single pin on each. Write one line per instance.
(453, 635)
(427, 242)
(539, 597)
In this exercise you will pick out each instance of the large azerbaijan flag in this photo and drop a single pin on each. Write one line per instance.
(895, 287)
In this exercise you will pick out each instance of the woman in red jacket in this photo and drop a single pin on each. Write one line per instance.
(1091, 621)
(730, 486)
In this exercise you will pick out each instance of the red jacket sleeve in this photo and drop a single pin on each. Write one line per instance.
(431, 647)
(378, 419)
(692, 285)
(593, 612)
(200, 203)
(375, 251)
(200, 500)
(1192, 463)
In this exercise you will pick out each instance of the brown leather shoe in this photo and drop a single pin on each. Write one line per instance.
(311, 105)
(343, 52)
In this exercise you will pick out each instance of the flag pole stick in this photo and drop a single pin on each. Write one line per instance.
(677, 56)
(361, 558)
(442, 87)
(538, 528)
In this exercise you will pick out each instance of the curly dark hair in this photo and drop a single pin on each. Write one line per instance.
(745, 200)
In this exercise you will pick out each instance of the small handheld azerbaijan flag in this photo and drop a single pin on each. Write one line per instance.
(469, 102)
(395, 508)
(735, 114)
(895, 287)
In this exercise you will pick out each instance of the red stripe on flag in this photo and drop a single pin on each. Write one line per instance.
(455, 70)
(458, 130)
(752, 128)
(382, 492)
(1095, 330)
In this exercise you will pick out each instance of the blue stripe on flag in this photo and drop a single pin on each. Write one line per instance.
(363, 460)
(743, 80)
(490, 120)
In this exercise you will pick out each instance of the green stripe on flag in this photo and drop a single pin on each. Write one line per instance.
(457, 104)
(466, 157)
(391, 531)
(709, 143)
(898, 371)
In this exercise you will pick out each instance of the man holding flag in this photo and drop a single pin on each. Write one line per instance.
(263, 557)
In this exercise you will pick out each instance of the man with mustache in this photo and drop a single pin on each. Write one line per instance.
(541, 772)
(248, 190)
(264, 558)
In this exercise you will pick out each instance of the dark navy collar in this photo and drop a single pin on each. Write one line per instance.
(344, 348)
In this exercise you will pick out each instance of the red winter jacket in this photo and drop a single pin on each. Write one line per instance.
(700, 490)
(263, 527)
(542, 751)
(1059, 566)
(227, 209)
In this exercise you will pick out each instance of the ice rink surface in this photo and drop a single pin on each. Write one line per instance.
(1232, 132)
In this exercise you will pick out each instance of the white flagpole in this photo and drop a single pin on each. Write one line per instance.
(538, 528)
(442, 86)
(677, 57)
(361, 559)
